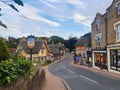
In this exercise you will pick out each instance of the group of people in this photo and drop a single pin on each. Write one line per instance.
(77, 58)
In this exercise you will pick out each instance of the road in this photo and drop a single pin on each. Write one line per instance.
(81, 79)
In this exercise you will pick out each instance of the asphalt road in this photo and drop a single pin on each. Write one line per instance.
(81, 79)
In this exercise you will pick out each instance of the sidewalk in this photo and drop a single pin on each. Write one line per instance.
(52, 82)
(96, 70)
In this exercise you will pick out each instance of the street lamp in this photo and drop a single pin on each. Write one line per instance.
(30, 44)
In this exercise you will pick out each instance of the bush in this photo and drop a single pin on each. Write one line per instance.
(10, 71)
(47, 62)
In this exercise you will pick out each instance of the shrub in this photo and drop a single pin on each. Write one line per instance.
(10, 71)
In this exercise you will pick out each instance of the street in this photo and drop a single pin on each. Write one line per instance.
(81, 79)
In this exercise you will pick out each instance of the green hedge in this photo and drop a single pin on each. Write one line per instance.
(11, 71)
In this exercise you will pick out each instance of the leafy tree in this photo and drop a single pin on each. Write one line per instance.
(4, 52)
(55, 40)
(9, 3)
(70, 43)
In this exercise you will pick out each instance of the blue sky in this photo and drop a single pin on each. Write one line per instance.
(51, 17)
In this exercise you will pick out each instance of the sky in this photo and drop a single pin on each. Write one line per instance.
(41, 18)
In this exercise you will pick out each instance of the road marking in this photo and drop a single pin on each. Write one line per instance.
(66, 84)
(88, 79)
(71, 71)
(68, 69)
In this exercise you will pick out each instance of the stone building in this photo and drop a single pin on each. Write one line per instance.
(83, 45)
(57, 51)
(113, 36)
(99, 41)
(39, 52)
(106, 38)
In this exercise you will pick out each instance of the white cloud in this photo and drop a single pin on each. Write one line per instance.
(54, 1)
(31, 12)
(77, 3)
(48, 4)
(34, 21)
(81, 19)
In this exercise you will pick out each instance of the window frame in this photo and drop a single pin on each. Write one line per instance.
(117, 5)
(98, 39)
(97, 23)
(118, 8)
(117, 28)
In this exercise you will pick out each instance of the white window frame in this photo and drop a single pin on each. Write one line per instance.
(117, 28)
(118, 33)
(118, 7)
(98, 38)
(97, 24)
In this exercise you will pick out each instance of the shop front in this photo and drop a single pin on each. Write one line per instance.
(113, 58)
(100, 59)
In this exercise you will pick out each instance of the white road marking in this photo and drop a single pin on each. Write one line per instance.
(88, 79)
(68, 69)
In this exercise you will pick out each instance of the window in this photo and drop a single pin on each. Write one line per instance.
(115, 59)
(118, 33)
(98, 40)
(118, 8)
(97, 24)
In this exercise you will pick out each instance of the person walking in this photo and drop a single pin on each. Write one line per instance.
(75, 55)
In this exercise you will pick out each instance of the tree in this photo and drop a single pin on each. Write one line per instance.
(4, 52)
(84, 40)
(70, 43)
(55, 40)
(9, 3)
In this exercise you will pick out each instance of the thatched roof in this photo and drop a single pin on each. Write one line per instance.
(36, 48)
(84, 40)
(56, 48)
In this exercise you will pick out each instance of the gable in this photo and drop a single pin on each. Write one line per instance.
(36, 48)
(98, 16)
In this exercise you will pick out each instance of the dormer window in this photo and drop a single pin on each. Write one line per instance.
(97, 24)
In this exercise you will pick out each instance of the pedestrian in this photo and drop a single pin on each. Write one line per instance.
(77, 58)
(75, 55)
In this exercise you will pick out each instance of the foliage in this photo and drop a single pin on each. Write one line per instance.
(84, 40)
(12, 42)
(70, 43)
(44, 63)
(55, 40)
(4, 52)
(11, 71)
(1, 24)
(9, 3)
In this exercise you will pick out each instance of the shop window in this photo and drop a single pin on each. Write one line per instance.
(115, 59)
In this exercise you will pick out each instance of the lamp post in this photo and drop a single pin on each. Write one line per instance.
(30, 44)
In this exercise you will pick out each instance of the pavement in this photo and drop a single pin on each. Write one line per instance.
(97, 70)
(52, 82)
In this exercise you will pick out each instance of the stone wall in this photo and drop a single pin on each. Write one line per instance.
(35, 83)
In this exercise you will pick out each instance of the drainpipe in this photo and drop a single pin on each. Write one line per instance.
(106, 22)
